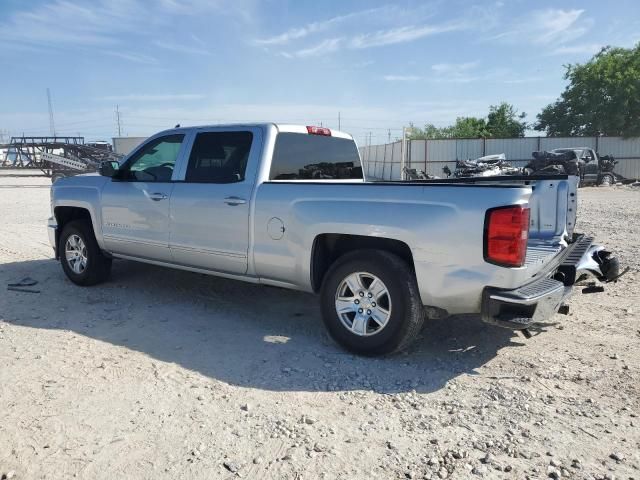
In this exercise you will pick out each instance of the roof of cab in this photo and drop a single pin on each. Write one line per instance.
(281, 127)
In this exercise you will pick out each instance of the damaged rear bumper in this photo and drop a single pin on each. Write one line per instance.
(540, 299)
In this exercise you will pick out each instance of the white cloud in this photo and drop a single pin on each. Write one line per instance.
(172, 97)
(453, 68)
(521, 80)
(133, 57)
(547, 27)
(70, 23)
(390, 14)
(326, 46)
(401, 78)
(181, 48)
(558, 25)
(363, 64)
(587, 49)
(457, 72)
(403, 34)
(243, 9)
(316, 27)
(87, 23)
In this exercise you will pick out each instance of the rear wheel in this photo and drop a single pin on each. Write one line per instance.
(80, 255)
(370, 303)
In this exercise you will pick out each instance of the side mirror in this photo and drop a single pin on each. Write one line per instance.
(108, 168)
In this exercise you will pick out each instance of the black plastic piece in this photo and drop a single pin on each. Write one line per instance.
(593, 288)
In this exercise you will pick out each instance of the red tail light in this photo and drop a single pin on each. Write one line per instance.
(506, 230)
(318, 131)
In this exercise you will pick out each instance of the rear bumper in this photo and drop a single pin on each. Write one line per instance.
(522, 307)
(539, 300)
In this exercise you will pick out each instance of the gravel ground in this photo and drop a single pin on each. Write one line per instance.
(161, 374)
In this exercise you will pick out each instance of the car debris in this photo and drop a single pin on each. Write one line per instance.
(487, 166)
(414, 174)
(22, 284)
(589, 165)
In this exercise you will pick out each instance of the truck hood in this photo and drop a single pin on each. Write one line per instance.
(83, 180)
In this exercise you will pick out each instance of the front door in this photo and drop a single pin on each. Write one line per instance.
(590, 168)
(210, 208)
(135, 203)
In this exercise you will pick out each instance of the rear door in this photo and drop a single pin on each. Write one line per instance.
(210, 203)
(135, 203)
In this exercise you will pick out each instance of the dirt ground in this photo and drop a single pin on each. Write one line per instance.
(162, 374)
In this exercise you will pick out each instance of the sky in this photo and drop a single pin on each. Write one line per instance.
(378, 65)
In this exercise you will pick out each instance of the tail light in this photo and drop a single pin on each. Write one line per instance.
(318, 131)
(506, 230)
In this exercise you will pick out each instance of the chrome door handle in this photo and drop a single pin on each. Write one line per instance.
(234, 201)
(156, 197)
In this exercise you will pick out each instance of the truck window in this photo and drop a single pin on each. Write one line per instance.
(219, 157)
(300, 156)
(154, 162)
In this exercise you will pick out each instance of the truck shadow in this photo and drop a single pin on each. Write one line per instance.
(242, 334)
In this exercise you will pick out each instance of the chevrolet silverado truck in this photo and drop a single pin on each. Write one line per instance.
(288, 206)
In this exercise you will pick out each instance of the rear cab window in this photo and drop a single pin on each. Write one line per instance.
(299, 156)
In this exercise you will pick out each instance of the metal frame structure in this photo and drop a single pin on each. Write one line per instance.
(37, 153)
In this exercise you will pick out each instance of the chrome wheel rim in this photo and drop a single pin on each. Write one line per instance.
(363, 304)
(75, 252)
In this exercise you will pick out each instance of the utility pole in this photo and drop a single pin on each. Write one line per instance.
(118, 120)
(339, 125)
(403, 160)
(369, 138)
(389, 136)
(52, 125)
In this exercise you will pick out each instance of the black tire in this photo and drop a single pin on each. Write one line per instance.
(406, 314)
(98, 267)
(606, 180)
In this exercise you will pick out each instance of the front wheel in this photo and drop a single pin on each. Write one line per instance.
(606, 180)
(80, 255)
(370, 303)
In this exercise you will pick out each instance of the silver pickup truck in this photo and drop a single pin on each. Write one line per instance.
(288, 206)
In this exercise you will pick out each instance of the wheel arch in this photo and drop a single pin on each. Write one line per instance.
(329, 247)
(65, 214)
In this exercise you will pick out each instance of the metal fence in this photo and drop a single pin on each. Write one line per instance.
(385, 162)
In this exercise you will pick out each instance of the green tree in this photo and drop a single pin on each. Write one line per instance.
(602, 98)
(465, 127)
(504, 121)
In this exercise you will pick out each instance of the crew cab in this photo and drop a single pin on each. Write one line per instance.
(288, 206)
